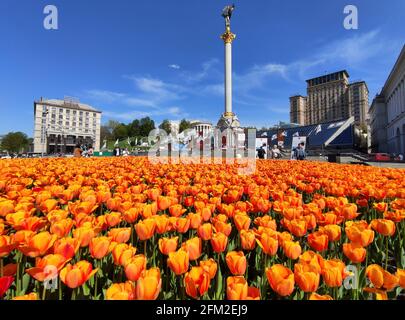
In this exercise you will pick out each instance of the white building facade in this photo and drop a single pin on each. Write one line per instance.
(388, 109)
(60, 125)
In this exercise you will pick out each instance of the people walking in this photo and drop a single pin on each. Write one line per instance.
(261, 152)
(299, 152)
(77, 152)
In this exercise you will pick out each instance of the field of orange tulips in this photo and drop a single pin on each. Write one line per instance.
(127, 229)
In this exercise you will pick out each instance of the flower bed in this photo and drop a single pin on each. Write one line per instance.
(123, 228)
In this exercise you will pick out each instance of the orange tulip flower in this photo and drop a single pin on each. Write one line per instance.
(297, 227)
(84, 235)
(135, 266)
(349, 211)
(381, 278)
(176, 210)
(401, 277)
(182, 225)
(312, 258)
(6, 245)
(167, 245)
(30, 296)
(333, 272)
(162, 223)
(6, 207)
(219, 242)
(333, 232)
(22, 237)
(112, 219)
(281, 279)
(76, 275)
(122, 253)
(5, 283)
(38, 244)
(163, 202)
(266, 221)
(236, 262)
(292, 249)
(318, 241)
(178, 261)
(381, 207)
(149, 284)
(206, 213)
(145, 229)
(153, 194)
(210, 266)
(268, 242)
(247, 239)
(284, 237)
(359, 232)
(383, 226)
(67, 247)
(307, 277)
(253, 293)
(61, 228)
(204, 231)
(121, 291)
(236, 288)
(48, 205)
(197, 282)
(99, 247)
(120, 235)
(193, 247)
(195, 220)
(131, 215)
(242, 221)
(81, 207)
(379, 294)
(9, 270)
(42, 270)
(354, 252)
(149, 210)
(316, 296)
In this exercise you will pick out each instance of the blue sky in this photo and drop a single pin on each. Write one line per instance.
(164, 59)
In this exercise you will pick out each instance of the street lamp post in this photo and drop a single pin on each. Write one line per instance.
(44, 131)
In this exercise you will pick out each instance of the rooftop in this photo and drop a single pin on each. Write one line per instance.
(67, 103)
(330, 74)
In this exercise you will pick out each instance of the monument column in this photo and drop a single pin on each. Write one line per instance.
(228, 120)
(228, 38)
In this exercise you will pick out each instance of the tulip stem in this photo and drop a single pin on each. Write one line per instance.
(95, 282)
(144, 249)
(386, 253)
(1, 267)
(73, 294)
(44, 291)
(60, 288)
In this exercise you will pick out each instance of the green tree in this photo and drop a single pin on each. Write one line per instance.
(120, 131)
(112, 124)
(134, 128)
(105, 133)
(184, 125)
(146, 125)
(14, 141)
(166, 126)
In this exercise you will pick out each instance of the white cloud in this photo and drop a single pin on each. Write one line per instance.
(207, 69)
(110, 97)
(171, 112)
(214, 89)
(174, 66)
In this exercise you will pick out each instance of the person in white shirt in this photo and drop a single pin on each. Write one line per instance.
(275, 152)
